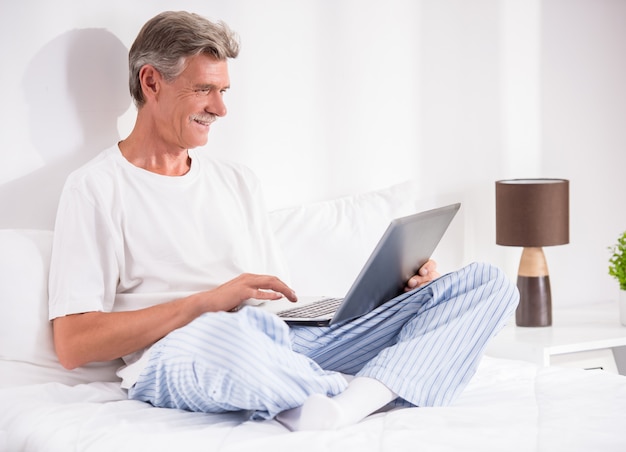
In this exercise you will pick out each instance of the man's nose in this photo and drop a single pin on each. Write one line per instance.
(216, 105)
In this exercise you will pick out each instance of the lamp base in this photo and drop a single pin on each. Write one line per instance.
(535, 302)
(533, 283)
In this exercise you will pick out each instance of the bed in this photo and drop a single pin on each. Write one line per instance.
(509, 405)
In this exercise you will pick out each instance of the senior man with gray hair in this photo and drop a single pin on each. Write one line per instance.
(157, 246)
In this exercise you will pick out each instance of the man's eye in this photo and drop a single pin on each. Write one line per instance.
(203, 91)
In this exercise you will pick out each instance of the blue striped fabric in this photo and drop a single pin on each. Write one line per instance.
(424, 345)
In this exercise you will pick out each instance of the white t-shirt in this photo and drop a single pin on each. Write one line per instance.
(126, 238)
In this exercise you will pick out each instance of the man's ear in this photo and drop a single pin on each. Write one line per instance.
(150, 80)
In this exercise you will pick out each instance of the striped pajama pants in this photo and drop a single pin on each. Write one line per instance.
(424, 345)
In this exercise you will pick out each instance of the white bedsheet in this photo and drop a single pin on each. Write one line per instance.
(509, 405)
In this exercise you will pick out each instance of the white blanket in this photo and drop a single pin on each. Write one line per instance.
(509, 405)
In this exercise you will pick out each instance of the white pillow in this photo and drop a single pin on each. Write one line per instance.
(327, 243)
(26, 350)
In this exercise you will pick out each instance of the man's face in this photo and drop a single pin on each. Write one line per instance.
(189, 104)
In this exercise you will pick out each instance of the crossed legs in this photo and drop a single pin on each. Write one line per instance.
(419, 349)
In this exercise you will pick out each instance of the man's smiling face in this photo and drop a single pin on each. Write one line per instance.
(190, 103)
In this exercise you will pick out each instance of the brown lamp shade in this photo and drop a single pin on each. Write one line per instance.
(532, 212)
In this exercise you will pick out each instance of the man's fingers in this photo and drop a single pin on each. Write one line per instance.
(413, 282)
(271, 288)
(425, 274)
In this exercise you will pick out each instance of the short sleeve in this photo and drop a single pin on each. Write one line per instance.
(83, 270)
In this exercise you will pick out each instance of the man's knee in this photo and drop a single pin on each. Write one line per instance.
(498, 287)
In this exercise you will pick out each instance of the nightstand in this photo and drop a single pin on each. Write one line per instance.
(585, 336)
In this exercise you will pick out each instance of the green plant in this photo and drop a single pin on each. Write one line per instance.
(617, 262)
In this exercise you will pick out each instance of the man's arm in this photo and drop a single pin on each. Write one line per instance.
(102, 336)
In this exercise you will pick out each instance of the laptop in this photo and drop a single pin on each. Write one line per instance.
(406, 245)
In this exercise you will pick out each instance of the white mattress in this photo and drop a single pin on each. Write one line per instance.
(509, 405)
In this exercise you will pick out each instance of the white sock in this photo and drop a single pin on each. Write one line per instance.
(362, 397)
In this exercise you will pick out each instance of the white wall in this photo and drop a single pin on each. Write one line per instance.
(331, 98)
(583, 111)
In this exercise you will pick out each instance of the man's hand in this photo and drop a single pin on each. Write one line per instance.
(246, 286)
(427, 273)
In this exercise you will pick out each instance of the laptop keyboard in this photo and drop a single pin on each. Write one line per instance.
(314, 310)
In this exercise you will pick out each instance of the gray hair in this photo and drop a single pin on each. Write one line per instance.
(168, 39)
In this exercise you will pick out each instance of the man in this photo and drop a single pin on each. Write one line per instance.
(156, 245)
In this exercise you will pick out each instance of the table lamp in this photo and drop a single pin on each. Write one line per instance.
(533, 213)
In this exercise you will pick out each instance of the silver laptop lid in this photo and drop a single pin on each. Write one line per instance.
(406, 245)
